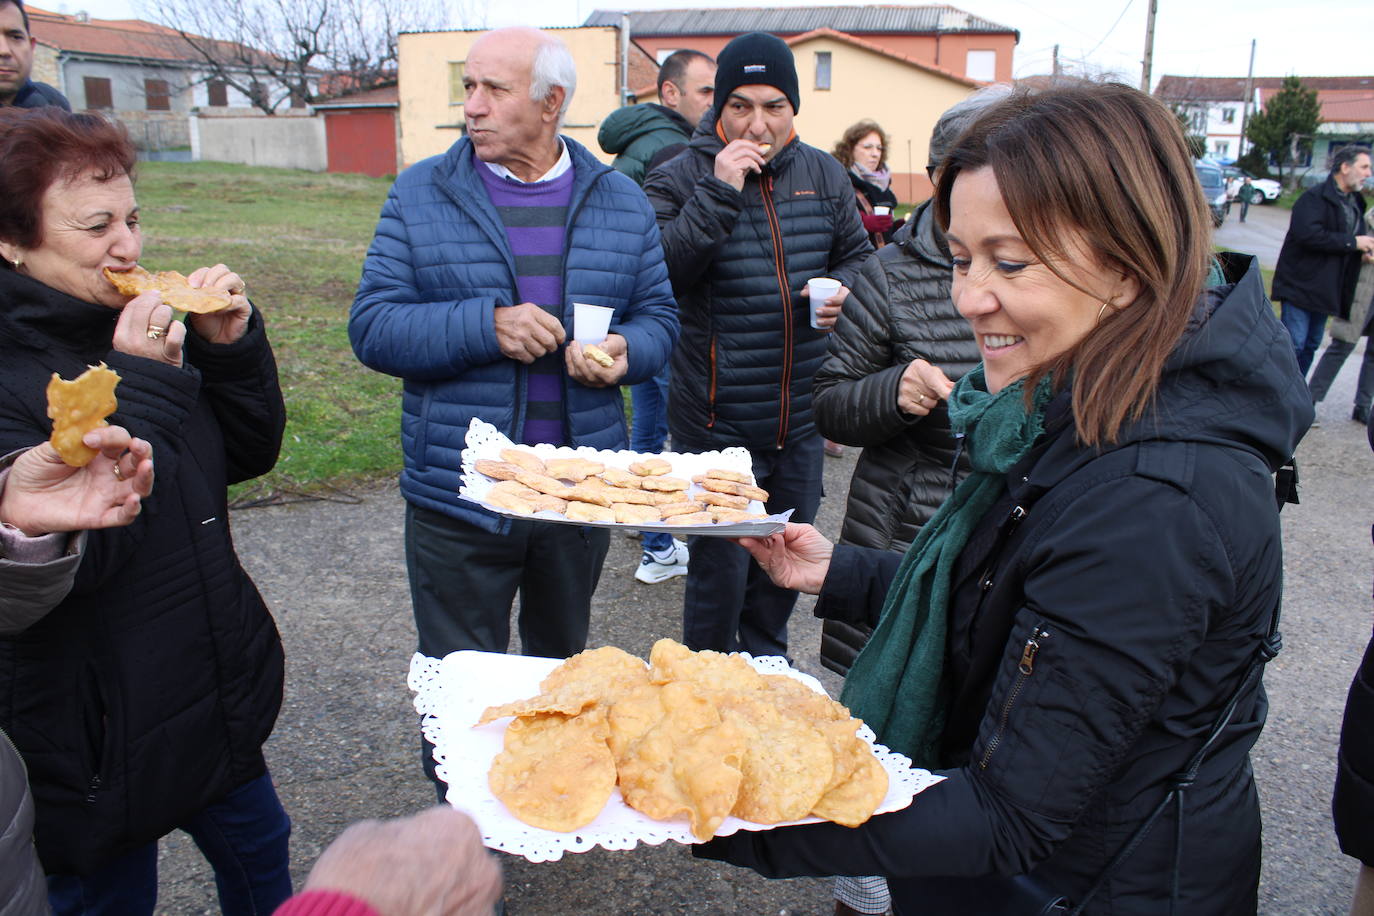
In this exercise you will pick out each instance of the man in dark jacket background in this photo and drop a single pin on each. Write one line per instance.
(466, 294)
(643, 136)
(750, 213)
(16, 62)
(1319, 263)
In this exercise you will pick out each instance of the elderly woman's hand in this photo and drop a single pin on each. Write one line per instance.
(43, 494)
(922, 387)
(145, 328)
(798, 557)
(227, 326)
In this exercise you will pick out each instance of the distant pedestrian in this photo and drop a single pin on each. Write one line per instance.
(1320, 259)
(1246, 189)
(466, 295)
(643, 136)
(16, 63)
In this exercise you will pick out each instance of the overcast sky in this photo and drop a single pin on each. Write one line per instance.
(1192, 37)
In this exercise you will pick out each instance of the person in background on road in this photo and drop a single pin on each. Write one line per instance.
(1345, 334)
(863, 152)
(466, 295)
(1319, 262)
(899, 332)
(1352, 803)
(16, 63)
(749, 214)
(1066, 687)
(643, 136)
(142, 700)
(1246, 189)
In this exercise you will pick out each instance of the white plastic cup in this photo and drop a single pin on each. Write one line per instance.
(819, 289)
(591, 322)
(881, 210)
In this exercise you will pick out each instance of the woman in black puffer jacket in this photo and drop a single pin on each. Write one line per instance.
(142, 701)
(898, 320)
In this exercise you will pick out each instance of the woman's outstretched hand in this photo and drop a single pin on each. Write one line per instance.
(798, 557)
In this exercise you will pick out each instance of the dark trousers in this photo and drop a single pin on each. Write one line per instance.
(1305, 328)
(1333, 357)
(463, 581)
(730, 604)
(244, 837)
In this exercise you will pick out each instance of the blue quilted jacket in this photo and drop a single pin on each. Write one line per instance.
(438, 266)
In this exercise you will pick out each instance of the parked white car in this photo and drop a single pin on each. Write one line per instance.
(1263, 190)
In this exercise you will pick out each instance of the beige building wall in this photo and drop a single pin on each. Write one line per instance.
(431, 116)
(904, 99)
(45, 68)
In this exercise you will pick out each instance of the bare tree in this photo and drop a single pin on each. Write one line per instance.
(284, 51)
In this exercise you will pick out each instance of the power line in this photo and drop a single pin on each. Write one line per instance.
(1112, 29)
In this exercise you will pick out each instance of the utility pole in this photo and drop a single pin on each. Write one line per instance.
(1056, 60)
(1245, 106)
(1149, 47)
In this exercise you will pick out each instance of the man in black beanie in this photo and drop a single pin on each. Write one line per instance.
(749, 214)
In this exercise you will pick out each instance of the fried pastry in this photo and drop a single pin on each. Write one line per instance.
(175, 289)
(650, 467)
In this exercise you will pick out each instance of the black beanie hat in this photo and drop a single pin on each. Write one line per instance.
(756, 59)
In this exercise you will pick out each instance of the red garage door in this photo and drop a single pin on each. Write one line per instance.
(362, 140)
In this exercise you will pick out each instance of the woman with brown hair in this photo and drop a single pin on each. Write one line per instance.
(1074, 640)
(863, 152)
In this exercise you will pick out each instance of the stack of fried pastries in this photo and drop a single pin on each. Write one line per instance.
(700, 735)
(583, 490)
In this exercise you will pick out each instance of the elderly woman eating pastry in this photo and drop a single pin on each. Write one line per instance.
(142, 700)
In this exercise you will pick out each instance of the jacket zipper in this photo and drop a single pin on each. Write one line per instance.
(1025, 668)
(711, 416)
(775, 229)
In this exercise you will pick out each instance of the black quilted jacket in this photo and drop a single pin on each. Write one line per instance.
(898, 310)
(747, 355)
(147, 693)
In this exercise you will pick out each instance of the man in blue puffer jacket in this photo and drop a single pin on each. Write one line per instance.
(467, 295)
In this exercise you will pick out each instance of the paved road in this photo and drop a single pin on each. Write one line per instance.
(345, 747)
(1261, 234)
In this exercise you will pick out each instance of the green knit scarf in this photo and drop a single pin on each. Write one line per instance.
(896, 684)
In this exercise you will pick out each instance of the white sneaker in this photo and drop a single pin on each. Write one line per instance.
(655, 568)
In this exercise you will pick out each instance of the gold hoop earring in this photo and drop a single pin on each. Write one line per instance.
(1101, 311)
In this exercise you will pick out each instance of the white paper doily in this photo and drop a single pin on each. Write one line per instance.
(486, 441)
(450, 695)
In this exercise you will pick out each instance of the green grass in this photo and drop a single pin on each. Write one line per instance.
(298, 240)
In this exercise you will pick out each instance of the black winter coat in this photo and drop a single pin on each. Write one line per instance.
(1093, 643)
(148, 692)
(739, 262)
(1352, 804)
(899, 310)
(1319, 264)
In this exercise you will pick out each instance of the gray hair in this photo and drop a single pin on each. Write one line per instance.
(1347, 154)
(553, 66)
(958, 118)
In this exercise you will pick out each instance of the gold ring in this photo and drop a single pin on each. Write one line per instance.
(155, 332)
(119, 475)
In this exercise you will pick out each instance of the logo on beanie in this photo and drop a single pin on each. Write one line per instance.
(755, 68)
